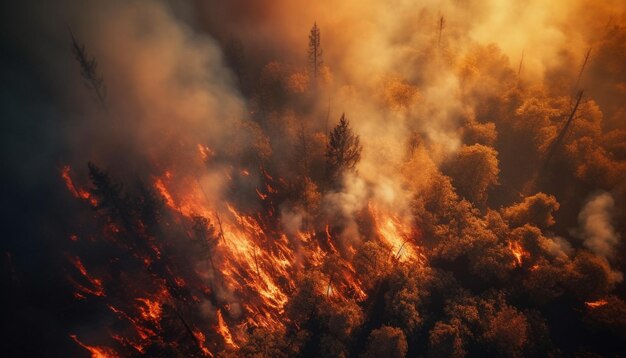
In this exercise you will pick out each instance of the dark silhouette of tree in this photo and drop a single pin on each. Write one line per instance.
(343, 150)
(149, 208)
(89, 70)
(109, 195)
(205, 237)
(315, 51)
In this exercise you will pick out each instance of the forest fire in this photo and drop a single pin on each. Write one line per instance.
(390, 181)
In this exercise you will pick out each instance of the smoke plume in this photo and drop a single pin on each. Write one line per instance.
(595, 220)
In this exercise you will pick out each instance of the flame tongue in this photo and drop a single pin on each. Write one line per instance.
(96, 352)
(518, 252)
(224, 331)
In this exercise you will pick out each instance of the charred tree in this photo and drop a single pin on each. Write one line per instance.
(205, 238)
(149, 207)
(110, 197)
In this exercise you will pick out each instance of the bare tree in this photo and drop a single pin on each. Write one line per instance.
(442, 23)
(315, 51)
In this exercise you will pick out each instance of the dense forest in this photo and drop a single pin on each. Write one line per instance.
(328, 179)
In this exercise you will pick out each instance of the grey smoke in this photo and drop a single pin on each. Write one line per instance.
(595, 224)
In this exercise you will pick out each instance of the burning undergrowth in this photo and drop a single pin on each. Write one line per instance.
(434, 199)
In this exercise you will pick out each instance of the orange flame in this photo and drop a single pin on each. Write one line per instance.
(596, 304)
(150, 310)
(65, 174)
(96, 352)
(76, 192)
(224, 331)
(397, 233)
(160, 186)
(518, 252)
(201, 342)
(96, 284)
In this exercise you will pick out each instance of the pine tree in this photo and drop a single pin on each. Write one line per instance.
(109, 195)
(89, 70)
(315, 51)
(343, 150)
